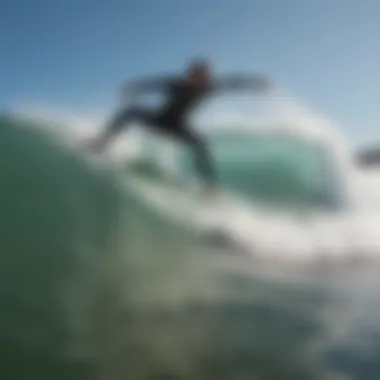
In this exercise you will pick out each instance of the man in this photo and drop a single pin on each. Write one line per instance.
(183, 94)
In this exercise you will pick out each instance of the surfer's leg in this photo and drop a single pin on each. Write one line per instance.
(203, 160)
(120, 122)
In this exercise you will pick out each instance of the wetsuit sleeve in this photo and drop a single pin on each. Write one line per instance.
(241, 82)
(151, 84)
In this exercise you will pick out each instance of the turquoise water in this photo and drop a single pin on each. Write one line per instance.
(276, 170)
(95, 285)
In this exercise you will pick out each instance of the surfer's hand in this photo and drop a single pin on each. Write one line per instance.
(126, 91)
(129, 93)
(263, 85)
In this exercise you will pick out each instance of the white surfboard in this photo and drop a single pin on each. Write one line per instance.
(176, 200)
(222, 220)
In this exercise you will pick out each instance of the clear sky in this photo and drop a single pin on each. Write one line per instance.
(75, 53)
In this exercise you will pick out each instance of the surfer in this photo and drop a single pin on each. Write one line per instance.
(182, 94)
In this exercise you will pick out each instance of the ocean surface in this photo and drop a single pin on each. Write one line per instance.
(96, 284)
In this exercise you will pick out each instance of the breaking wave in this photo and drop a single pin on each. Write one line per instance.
(95, 283)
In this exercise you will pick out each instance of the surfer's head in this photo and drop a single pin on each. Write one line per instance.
(199, 72)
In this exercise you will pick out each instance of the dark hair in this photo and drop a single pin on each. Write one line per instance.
(198, 64)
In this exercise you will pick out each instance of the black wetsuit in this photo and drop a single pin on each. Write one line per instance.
(172, 117)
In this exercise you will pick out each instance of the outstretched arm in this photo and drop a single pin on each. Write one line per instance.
(149, 84)
(242, 82)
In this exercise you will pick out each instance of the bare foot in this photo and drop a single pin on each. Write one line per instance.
(210, 193)
(95, 145)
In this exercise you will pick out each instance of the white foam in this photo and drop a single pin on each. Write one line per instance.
(288, 238)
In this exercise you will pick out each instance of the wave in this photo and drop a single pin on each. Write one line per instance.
(95, 283)
(72, 243)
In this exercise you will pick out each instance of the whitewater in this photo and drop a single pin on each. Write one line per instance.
(341, 229)
(96, 281)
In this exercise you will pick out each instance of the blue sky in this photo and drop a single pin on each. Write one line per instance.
(75, 53)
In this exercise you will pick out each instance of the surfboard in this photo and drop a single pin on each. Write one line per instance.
(169, 195)
(183, 202)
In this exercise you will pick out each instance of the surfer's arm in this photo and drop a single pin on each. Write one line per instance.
(149, 84)
(242, 82)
